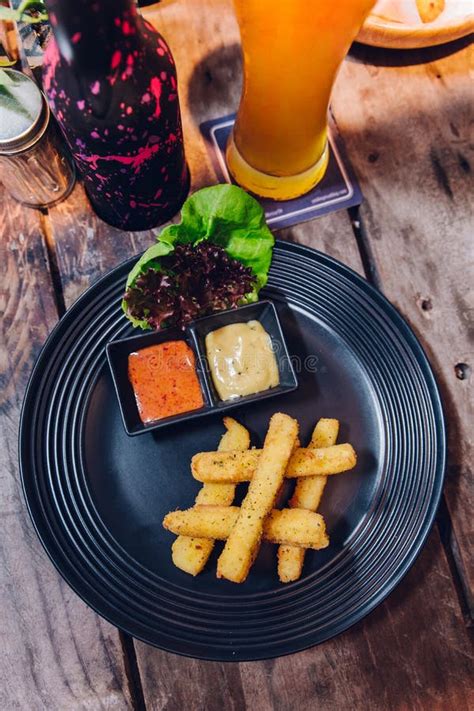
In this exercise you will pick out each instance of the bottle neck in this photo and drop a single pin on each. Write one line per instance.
(87, 31)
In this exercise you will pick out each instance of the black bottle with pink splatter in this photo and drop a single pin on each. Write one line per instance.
(110, 80)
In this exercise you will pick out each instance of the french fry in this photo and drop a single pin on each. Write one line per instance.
(236, 437)
(215, 494)
(297, 527)
(234, 467)
(244, 539)
(429, 10)
(190, 553)
(309, 490)
(307, 495)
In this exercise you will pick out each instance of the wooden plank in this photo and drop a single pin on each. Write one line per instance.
(56, 653)
(411, 653)
(85, 247)
(408, 131)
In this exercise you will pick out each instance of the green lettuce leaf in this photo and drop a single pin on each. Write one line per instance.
(225, 215)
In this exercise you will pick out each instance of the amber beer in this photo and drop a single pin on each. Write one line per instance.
(292, 50)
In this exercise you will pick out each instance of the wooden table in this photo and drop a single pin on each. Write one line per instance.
(406, 119)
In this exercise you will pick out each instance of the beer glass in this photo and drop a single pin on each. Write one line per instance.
(292, 50)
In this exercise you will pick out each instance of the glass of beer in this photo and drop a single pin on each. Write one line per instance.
(292, 50)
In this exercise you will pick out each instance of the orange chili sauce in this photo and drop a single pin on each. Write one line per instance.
(164, 380)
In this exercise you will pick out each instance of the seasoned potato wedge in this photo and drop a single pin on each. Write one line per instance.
(307, 495)
(236, 437)
(309, 490)
(291, 526)
(192, 554)
(244, 539)
(234, 467)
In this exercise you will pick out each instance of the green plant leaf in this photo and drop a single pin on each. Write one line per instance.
(9, 101)
(150, 258)
(37, 6)
(225, 215)
(31, 5)
(5, 79)
(22, 13)
(231, 218)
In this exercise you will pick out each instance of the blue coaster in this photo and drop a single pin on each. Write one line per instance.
(338, 189)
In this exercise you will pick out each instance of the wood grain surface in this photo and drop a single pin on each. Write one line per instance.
(416, 167)
(56, 653)
(414, 651)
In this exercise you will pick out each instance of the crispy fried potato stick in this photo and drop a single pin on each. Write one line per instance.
(233, 467)
(192, 554)
(309, 490)
(307, 495)
(296, 526)
(244, 539)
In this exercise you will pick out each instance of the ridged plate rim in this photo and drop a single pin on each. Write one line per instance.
(291, 596)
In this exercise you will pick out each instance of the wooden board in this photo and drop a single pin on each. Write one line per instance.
(410, 653)
(56, 653)
(85, 247)
(415, 164)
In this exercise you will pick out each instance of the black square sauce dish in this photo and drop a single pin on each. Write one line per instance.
(199, 370)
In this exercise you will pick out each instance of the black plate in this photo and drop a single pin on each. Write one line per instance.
(97, 497)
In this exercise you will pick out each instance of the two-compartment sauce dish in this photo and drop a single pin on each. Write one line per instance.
(216, 363)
